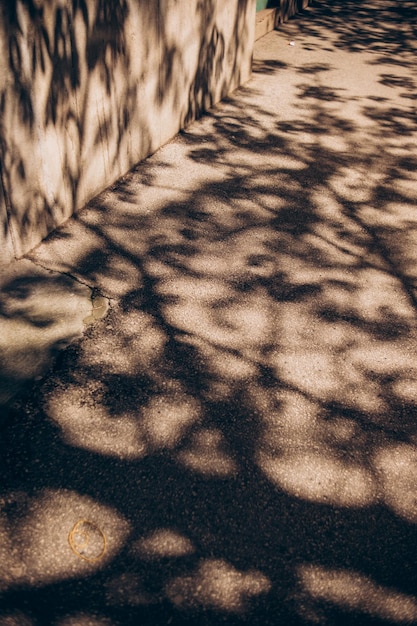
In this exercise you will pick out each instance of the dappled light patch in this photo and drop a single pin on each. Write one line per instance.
(137, 345)
(405, 387)
(41, 313)
(206, 455)
(223, 365)
(353, 592)
(216, 584)
(381, 359)
(166, 419)
(35, 532)
(311, 455)
(164, 543)
(406, 186)
(205, 290)
(287, 418)
(396, 467)
(374, 297)
(100, 432)
(89, 423)
(319, 476)
(312, 371)
(352, 184)
(222, 317)
(333, 242)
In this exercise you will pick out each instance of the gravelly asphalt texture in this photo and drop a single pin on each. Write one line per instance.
(235, 442)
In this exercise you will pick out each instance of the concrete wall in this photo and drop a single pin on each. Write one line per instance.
(6, 245)
(288, 8)
(90, 87)
(278, 11)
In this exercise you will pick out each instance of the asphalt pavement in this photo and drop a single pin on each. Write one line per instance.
(209, 374)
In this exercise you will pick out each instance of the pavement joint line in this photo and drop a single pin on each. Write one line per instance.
(50, 269)
(96, 296)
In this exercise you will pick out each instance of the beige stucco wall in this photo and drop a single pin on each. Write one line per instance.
(269, 19)
(6, 246)
(87, 92)
(288, 8)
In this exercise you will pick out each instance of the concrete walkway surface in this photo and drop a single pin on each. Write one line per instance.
(235, 440)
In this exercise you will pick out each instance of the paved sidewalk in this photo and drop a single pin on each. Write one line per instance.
(235, 442)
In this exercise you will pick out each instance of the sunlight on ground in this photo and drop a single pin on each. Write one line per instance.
(396, 467)
(163, 543)
(101, 433)
(350, 591)
(136, 347)
(159, 424)
(40, 313)
(218, 585)
(319, 477)
(35, 531)
(233, 321)
(206, 455)
(335, 461)
(226, 367)
(165, 420)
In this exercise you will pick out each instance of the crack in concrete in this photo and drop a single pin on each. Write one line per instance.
(43, 311)
(100, 302)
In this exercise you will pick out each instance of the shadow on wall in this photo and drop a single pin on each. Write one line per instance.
(91, 88)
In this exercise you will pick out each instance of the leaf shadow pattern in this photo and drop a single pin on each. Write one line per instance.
(242, 423)
(78, 84)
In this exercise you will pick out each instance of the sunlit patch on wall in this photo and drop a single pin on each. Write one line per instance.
(319, 477)
(163, 543)
(207, 455)
(397, 469)
(35, 532)
(352, 591)
(218, 585)
(92, 427)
